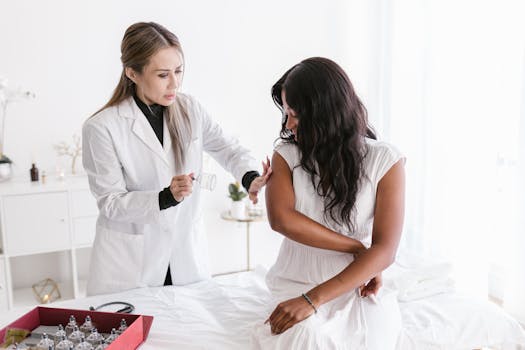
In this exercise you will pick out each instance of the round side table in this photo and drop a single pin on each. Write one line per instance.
(225, 215)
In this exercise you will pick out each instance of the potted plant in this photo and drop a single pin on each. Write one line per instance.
(5, 167)
(237, 210)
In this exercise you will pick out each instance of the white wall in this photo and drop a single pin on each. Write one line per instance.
(67, 52)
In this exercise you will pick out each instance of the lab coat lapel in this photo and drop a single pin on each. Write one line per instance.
(167, 138)
(168, 149)
(142, 129)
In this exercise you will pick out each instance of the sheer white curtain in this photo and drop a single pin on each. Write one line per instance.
(453, 99)
(515, 282)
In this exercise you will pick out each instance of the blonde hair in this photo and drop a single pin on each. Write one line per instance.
(141, 41)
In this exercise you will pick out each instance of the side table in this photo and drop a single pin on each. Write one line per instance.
(225, 215)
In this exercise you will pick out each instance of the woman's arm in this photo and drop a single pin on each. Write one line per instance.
(386, 234)
(280, 205)
(388, 222)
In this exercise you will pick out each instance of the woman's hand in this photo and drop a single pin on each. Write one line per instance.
(372, 287)
(260, 181)
(288, 313)
(181, 186)
(357, 248)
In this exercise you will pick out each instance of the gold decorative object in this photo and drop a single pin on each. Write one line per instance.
(46, 291)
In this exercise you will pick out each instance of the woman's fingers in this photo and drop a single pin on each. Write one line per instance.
(288, 313)
(275, 315)
(362, 290)
(181, 186)
(288, 325)
(268, 173)
(372, 287)
(278, 318)
(266, 167)
(259, 182)
(253, 197)
(281, 320)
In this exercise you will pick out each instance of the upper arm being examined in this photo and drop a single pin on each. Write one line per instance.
(390, 209)
(280, 196)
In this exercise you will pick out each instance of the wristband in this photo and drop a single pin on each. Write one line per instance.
(309, 301)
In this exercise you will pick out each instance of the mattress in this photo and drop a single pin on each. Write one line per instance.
(220, 314)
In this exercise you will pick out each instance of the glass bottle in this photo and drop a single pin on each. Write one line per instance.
(45, 342)
(123, 327)
(76, 335)
(83, 345)
(94, 337)
(33, 172)
(103, 345)
(64, 344)
(87, 326)
(71, 325)
(112, 336)
(58, 334)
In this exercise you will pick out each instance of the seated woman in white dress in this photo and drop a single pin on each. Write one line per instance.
(337, 195)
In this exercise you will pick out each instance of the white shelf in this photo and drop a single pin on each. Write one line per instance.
(41, 252)
(82, 246)
(24, 297)
(23, 185)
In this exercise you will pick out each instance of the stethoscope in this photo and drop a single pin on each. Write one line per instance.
(127, 309)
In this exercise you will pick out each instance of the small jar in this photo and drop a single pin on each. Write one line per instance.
(58, 334)
(87, 326)
(76, 335)
(45, 342)
(70, 327)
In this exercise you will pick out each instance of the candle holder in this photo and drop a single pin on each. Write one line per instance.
(46, 291)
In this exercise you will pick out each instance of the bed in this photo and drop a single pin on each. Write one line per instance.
(220, 313)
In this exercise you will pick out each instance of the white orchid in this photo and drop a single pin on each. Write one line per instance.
(8, 95)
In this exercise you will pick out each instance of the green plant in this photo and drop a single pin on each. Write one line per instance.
(235, 192)
(5, 159)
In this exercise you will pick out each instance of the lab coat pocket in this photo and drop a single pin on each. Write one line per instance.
(116, 262)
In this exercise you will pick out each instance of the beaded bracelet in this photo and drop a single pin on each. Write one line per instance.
(307, 298)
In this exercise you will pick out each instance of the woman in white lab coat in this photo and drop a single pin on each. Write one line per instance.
(141, 152)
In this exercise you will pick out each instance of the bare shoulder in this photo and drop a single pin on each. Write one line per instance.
(395, 176)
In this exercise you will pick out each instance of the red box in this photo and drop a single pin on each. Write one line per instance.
(133, 336)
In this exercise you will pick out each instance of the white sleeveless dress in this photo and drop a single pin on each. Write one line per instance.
(349, 321)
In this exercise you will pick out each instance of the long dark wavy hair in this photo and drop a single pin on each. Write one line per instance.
(331, 131)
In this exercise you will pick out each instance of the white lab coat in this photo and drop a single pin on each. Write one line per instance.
(127, 167)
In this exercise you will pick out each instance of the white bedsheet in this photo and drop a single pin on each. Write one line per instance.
(220, 313)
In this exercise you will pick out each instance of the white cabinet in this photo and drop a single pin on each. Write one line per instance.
(84, 212)
(36, 223)
(3, 287)
(47, 231)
